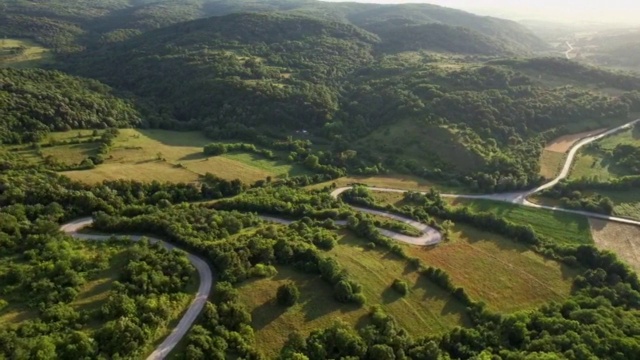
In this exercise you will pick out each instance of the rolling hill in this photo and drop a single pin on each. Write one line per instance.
(73, 25)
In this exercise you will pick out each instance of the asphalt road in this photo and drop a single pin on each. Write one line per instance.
(196, 306)
(520, 198)
(429, 236)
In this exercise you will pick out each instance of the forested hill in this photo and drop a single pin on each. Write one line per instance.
(245, 68)
(35, 102)
(70, 25)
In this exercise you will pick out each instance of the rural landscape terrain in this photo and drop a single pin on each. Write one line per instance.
(298, 179)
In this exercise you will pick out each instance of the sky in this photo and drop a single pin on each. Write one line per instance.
(567, 11)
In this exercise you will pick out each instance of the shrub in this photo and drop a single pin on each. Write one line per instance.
(288, 294)
(400, 286)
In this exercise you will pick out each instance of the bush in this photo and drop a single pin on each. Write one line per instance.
(359, 299)
(214, 149)
(400, 286)
(288, 294)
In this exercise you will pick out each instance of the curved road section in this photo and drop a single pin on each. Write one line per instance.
(520, 198)
(429, 236)
(196, 306)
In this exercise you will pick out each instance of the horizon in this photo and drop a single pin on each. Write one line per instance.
(621, 12)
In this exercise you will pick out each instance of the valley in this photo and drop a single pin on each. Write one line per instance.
(299, 179)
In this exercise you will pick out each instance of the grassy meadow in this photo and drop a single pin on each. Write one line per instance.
(148, 155)
(589, 163)
(427, 309)
(22, 53)
(560, 227)
(551, 163)
(506, 275)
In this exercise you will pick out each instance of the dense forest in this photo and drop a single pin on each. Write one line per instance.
(35, 102)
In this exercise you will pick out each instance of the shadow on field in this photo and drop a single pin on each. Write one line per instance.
(266, 313)
(194, 156)
(389, 295)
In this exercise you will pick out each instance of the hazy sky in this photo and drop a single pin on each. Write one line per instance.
(604, 11)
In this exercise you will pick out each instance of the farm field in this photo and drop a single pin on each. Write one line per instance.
(507, 276)
(22, 53)
(589, 163)
(393, 181)
(425, 310)
(162, 155)
(566, 142)
(623, 240)
(550, 163)
(560, 227)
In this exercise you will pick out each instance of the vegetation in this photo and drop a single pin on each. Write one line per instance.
(16, 53)
(44, 273)
(598, 161)
(288, 294)
(607, 185)
(268, 97)
(35, 102)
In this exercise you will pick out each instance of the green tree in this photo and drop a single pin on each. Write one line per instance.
(288, 294)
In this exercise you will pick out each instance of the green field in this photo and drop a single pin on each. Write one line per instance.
(506, 275)
(147, 155)
(559, 227)
(22, 53)
(425, 310)
(590, 163)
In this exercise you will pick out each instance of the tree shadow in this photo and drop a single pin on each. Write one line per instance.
(410, 268)
(266, 313)
(389, 295)
(194, 156)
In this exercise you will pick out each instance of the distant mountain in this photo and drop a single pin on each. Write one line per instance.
(70, 25)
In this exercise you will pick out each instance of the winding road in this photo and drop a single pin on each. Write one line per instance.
(196, 306)
(429, 236)
(520, 198)
(568, 52)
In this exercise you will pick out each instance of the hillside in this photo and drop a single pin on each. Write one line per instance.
(242, 68)
(73, 25)
(35, 102)
(437, 118)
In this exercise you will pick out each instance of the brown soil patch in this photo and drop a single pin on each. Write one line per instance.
(622, 239)
(564, 143)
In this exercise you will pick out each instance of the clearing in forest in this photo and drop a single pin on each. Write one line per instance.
(621, 239)
(506, 275)
(426, 309)
(551, 163)
(22, 53)
(147, 155)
